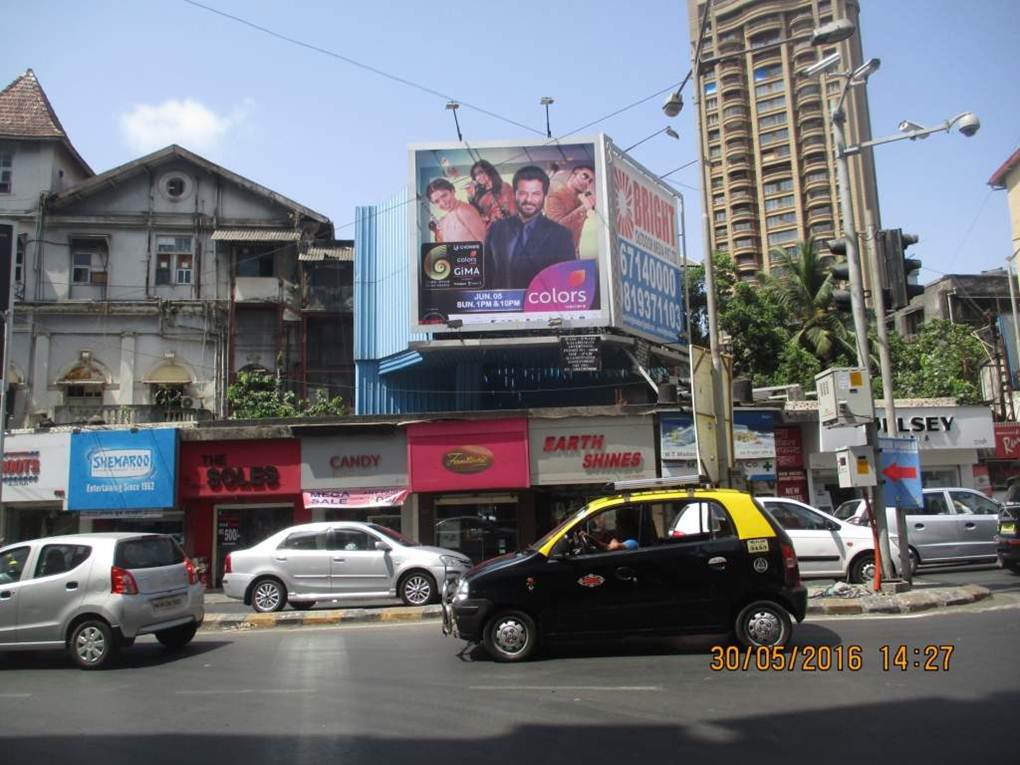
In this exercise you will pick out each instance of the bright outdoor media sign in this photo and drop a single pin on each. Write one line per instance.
(645, 247)
(122, 470)
(510, 235)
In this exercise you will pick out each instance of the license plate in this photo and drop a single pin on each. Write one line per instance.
(1007, 528)
(162, 604)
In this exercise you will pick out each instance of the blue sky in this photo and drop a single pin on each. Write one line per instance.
(126, 77)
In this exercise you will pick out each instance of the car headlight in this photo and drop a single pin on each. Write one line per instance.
(462, 590)
(452, 561)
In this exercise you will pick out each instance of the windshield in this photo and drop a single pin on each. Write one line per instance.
(1013, 492)
(396, 536)
(847, 510)
(570, 519)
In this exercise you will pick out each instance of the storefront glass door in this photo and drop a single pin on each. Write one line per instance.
(238, 528)
(480, 530)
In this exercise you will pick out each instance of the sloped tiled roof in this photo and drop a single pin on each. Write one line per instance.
(998, 179)
(26, 112)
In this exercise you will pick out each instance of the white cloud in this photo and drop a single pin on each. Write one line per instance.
(186, 122)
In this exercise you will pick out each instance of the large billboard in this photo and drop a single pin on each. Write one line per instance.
(646, 252)
(509, 236)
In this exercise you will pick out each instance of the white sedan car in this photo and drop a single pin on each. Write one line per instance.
(826, 547)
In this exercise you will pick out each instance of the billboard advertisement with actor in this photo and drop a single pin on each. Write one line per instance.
(509, 235)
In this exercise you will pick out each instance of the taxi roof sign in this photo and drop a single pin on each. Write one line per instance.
(693, 481)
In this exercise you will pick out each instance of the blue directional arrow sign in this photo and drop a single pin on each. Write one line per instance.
(900, 466)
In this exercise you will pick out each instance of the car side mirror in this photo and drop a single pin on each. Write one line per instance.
(382, 547)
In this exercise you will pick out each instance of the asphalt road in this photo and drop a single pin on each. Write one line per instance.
(405, 694)
(990, 575)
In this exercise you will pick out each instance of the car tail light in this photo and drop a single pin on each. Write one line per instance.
(122, 582)
(227, 568)
(192, 573)
(791, 570)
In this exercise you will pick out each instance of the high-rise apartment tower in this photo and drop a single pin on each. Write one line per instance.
(769, 176)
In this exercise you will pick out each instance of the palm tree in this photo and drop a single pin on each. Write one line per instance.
(803, 287)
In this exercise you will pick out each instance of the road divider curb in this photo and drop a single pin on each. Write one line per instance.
(323, 618)
(902, 603)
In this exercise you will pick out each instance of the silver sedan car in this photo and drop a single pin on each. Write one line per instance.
(93, 594)
(335, 561)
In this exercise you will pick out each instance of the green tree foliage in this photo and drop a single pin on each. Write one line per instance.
(725, 278)
(803, 289)
(258, 394)
(943, 360)
(755, 324)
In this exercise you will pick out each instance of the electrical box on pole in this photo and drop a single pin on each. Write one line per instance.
(855, 466)
(844, 397)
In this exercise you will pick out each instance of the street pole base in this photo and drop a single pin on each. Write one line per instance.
(894, 586)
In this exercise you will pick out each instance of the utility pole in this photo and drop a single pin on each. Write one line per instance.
(885, 364)
(860, 326)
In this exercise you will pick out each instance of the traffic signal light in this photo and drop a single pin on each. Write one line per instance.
(898, 267)
(840, 272)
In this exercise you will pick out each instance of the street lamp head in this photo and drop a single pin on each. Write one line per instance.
(452, 105)
(860, 75)
(908, 127)
(674, 103)
(967, 123)
(671, 132)
(545, 101)
(833, 32)
(822, 66)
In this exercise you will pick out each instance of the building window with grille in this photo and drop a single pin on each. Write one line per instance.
(174, 258)
(779, 202)
(781, 219)
(88, 262)
(84, 395)
(6, 172)
(769, 104)
(782, 237)
(775, 187)
(772, 120)
(775, 135)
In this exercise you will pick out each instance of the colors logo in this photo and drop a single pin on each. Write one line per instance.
(568, 286)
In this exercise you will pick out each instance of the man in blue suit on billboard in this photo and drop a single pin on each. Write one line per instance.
(520, 246)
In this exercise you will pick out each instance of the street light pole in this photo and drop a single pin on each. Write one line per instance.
(860, 321)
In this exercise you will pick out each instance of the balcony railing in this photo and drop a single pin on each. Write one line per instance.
(136, 414)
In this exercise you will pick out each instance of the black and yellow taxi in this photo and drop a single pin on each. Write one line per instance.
(660, 556)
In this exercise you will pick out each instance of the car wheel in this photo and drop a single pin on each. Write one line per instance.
(268, 595)
(176, 638)
(417, 589)
(92, 644)
(915, 561)
(862, 570)
(763, 623)
(510, 636)
(303, 605)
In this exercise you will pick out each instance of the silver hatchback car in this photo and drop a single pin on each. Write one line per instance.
(338, 560)
(93, 594)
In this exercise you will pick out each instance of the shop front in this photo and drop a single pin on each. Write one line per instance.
(34, 490)
(125, 480)
(572, 458)
(357, 476)
(1004, 462)
(949, 440)
(237, 493)
(471, 482)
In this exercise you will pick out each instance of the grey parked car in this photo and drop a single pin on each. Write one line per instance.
(955, 525)
(337, 560)
(93, 594)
